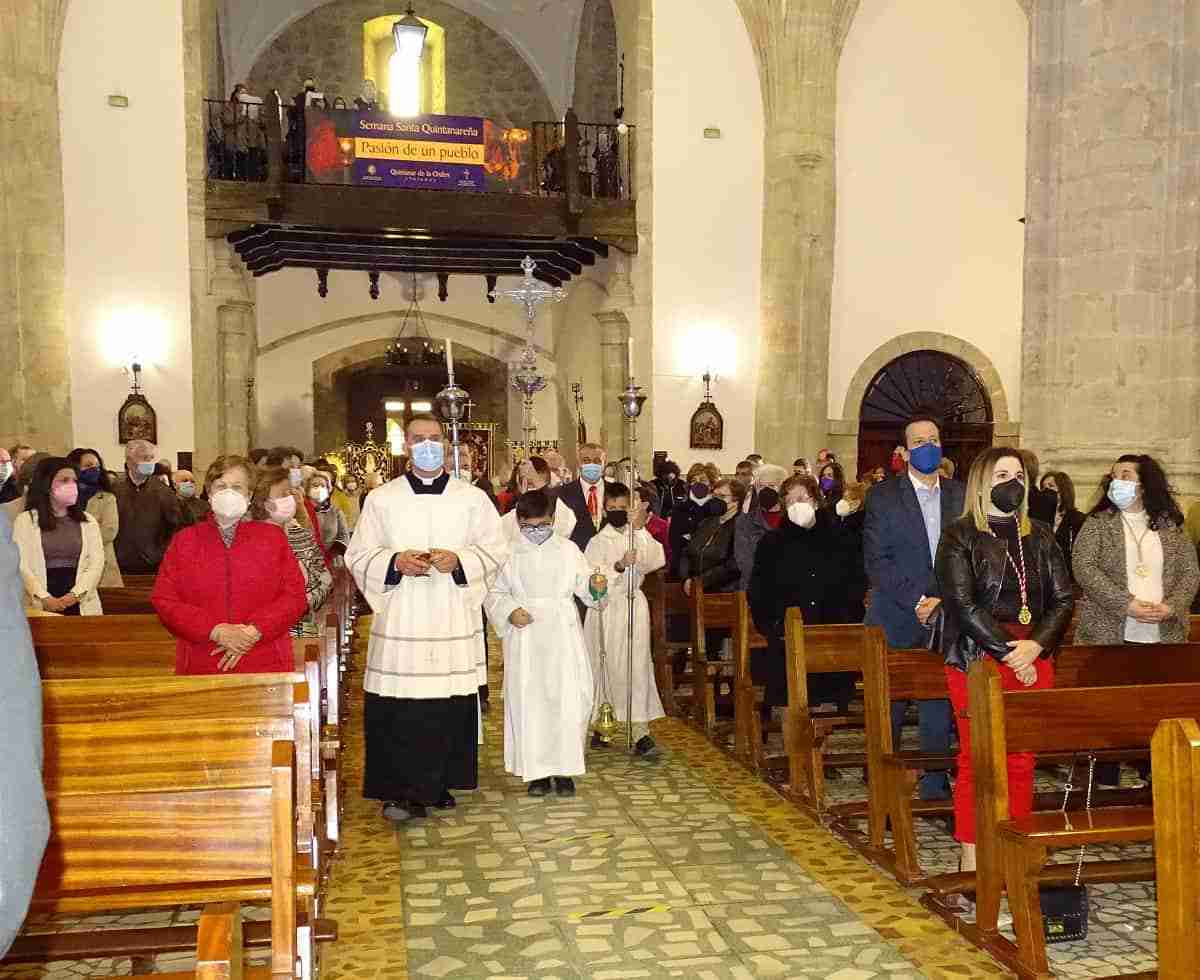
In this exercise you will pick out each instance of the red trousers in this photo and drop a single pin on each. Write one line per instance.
(1020, 764)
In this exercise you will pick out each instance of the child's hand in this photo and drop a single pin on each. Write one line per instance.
(520, 618)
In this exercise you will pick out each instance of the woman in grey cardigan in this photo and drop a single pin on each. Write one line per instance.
(1135, 564)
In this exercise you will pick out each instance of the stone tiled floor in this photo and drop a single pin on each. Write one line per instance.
(688, 866)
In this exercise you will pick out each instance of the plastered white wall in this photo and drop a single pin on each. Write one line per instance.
(931, 182)
(708, 197)
(125, 196)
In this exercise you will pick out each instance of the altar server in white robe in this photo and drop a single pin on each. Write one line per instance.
(609, 553)
(548, 686)
(534, 474)
(424, 552)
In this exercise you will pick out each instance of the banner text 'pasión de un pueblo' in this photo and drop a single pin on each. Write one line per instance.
(374, 149)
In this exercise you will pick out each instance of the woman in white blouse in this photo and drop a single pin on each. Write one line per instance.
(62, 552)
(1135, 565)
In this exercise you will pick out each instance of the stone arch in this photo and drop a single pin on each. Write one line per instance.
(928, 340)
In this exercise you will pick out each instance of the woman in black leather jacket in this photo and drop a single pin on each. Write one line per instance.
(1006, 594)
(710, 557)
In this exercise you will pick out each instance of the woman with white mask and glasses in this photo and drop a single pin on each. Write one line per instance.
(275, 500)
(802, 564)
(1135, 565)
(331, 524)
(229, 588)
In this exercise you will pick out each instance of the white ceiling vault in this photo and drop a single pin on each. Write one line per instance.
(544, 32)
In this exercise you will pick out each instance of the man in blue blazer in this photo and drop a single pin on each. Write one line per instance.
(905, 517)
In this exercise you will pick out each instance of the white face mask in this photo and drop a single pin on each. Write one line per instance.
(229, 506)
(802, 513)
(318, 494)
(844, 508)
(6, 471)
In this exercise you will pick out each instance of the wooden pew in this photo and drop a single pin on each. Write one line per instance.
(748, 742)
(90, 629)
(127, 601)
(666, 599)
(1011, 853)
(1175, 751)
(824, 649)
(201, 773)
(710, 678)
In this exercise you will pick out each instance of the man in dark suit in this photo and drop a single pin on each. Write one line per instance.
(905, 517)
(585, 496)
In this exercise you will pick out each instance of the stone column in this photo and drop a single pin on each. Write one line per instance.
(797, 46)
(1110, 347)
(614, 355)
(236, 344)
(35, 398)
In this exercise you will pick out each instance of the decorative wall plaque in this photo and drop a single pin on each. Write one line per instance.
(137, 418)
(708, 426)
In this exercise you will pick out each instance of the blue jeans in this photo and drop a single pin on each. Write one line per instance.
(935, 720)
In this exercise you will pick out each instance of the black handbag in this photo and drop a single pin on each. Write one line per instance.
(1065, 908)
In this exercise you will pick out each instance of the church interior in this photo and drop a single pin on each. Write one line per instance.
(738, 233)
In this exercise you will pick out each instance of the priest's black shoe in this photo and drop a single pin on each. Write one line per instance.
(564, 785)
(646, 747)
(447, 802)
(598, 742)
(540, 787)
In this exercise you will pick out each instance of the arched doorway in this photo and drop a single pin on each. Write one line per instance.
(925, 380)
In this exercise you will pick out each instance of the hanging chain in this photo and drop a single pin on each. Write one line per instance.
(1088, 809)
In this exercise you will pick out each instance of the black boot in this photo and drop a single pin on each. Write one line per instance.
(540, 787)
(564, 785)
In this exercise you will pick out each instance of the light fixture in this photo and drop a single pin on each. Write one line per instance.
(422, 406)
(418, 348)
(409, 34)
(391, 406)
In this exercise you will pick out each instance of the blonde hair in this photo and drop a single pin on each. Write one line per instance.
(224, 464)
(855, 493)
(979, 488)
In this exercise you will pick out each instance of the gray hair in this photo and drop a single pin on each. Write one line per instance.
(769, 473)
(140, 446)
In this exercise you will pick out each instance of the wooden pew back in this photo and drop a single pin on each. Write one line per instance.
(92, 660)
(1175, 751)
(96, 629)
(665, 599)
(126, 601)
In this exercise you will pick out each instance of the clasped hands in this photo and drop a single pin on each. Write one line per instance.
(417, 563)
(1022, 657)
(1148, 612)
(61, 604)
(233, 642)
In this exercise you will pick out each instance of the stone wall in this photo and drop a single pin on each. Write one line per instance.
(596, 91)
(485, 76)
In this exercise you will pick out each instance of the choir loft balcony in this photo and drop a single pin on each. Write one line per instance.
(290, 187)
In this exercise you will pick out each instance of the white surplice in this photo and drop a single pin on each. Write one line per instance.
(564, 524)
(548, 688)
(426, 635)
(603, 553)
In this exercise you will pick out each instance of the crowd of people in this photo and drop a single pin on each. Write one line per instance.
(555, 561)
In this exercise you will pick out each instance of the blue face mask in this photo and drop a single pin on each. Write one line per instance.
(538, 533)
(1123, 493)
(90, 477)
(592, 472)
(925, 459)
(428, 455)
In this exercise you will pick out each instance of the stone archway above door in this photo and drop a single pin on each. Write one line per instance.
(946, 344)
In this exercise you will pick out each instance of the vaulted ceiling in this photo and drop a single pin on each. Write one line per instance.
(545, 32)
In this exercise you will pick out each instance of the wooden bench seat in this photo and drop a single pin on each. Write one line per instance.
(666, 599)
(201, 772)
(712, 680)
(748, 738)
(126, 600)
(1062, 719)
(1175, 751)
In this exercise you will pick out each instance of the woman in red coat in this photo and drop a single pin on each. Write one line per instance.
(229, 587)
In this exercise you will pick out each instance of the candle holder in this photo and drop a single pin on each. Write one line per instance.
(631, 400)
(452, 404)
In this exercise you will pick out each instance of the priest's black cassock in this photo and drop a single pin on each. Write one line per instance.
(425, 657)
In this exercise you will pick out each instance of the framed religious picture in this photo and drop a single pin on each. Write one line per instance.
(137, 420)
(479, 436)
(708, 427)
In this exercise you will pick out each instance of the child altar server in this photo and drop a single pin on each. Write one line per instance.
(548, 687)
(607, 629)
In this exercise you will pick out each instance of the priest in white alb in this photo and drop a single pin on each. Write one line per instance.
(424, 552)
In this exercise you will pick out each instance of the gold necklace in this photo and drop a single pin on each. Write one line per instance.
(1141, 569)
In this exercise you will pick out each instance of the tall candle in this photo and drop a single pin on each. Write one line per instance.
(631, 357)
(450, 358)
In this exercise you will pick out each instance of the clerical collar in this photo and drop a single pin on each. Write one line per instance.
(423, 485)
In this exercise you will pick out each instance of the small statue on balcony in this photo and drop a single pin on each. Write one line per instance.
(368, 101)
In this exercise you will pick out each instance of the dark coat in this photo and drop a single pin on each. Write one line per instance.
(685, 519)
(851, 529)
(150, 515)
(710, 555)
(1068, 531)
(896, 556)
(10, 490)
(971, 566)
(794, 566)
(574, 496)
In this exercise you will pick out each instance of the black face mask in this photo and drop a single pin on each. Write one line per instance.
(1007, 496)
(714, 508)
(768, 497)
(617, 518)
